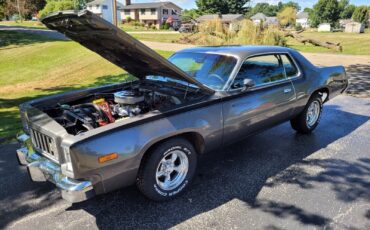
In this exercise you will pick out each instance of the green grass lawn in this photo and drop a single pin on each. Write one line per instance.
(358, 44)
(32, 66)
(30, 24)
(168, 38)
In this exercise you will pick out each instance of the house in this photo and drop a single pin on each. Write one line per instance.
(230, 20)
(262, 18)
(152, 13)
(354, 27)
(271, 21)
(104, 8)
(344, 22)
(302, 19)
(324, 27)
(258, 18)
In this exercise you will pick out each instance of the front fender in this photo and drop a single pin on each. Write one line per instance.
(131, 143)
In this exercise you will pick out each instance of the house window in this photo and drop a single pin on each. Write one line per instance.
(153, 11)
(105, 7)
(90, 7)
(97, 6)
(127, 12)
(174, 12)
(165, 11)
(142, 11)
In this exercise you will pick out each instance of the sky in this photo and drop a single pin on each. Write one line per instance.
(188, 4)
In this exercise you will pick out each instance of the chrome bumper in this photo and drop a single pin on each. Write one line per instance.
(42, 169)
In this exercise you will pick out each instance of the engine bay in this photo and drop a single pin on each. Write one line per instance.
(100, 109)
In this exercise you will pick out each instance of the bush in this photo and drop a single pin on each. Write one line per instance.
(128, 19)
(298, 27)
(166, 26)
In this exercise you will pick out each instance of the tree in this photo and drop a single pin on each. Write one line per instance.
(348, 12)
(265, 8)
(34, 6)
(361, 14)
(295, 5)
(346, 9)
(325, 11)
(287, 16)
(57, 5)
(271, 10)
(222, 6)
(192, 13)
(16, 7)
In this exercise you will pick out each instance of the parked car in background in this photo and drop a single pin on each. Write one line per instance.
(151, 131)
(187, 28)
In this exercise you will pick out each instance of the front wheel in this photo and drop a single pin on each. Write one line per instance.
(167, 170)
(309, 119)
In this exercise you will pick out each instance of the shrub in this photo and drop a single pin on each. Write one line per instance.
(128, 19)
(166, 26)
(215, 33)
(298, 27)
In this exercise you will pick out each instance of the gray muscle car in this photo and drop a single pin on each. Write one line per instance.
(151, 131)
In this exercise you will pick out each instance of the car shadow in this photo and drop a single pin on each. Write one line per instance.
(359, 80)
(240, 172)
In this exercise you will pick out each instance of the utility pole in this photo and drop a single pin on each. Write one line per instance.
(114, 12)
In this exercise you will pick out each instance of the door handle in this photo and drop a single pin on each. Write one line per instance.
(287, 90)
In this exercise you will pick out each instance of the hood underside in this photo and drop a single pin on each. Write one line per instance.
(118, 47)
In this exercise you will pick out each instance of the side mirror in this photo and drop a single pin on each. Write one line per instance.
(248, 83)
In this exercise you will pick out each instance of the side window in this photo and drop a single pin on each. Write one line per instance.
(262, 69)
(290, 67)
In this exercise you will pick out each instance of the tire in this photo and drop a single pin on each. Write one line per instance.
(157, 165)
(301, 123)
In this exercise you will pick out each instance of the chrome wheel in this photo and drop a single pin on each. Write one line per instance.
(313, 113)
(172, 170)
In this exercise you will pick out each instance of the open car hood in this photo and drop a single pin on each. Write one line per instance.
(116, 46)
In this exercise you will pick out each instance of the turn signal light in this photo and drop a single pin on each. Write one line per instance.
(108, 157)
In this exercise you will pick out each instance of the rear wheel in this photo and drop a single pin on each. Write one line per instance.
(167, 170)
(308, 120)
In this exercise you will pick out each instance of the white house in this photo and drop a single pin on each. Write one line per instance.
(152, 13)
(104, 8)
(324, 27)
(302, 19)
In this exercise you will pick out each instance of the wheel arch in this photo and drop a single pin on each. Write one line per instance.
(195, 138)
(324, 93)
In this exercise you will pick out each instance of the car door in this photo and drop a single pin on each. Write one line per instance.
(267, 103)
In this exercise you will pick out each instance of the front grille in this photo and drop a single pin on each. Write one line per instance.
(44, 143)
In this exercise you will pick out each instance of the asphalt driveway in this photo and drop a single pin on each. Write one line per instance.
(274, 180)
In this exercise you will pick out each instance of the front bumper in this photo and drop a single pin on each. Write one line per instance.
(42, 169)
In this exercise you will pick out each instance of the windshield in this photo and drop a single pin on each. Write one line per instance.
(212, 70)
